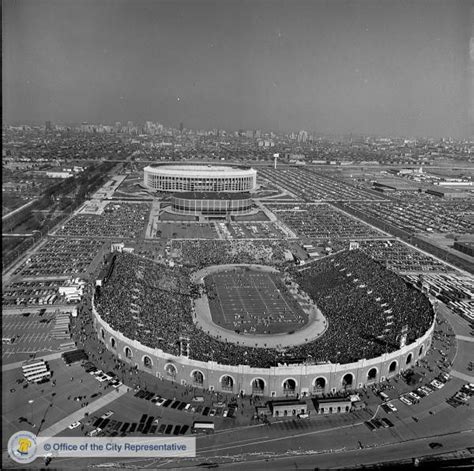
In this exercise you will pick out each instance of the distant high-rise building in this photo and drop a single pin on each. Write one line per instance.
(302, 136)
(181, 127)
(48, 126)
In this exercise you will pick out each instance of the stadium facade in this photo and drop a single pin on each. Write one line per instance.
(281, 381)
(200, 178)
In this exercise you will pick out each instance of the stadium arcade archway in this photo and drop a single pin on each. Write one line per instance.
(319, 385)
(289, 386)
(227, 383)
(372, 375)
(392, 369)
(197, 377)
(147, 363)
(348, 381)
(171, 370)
(258, 386)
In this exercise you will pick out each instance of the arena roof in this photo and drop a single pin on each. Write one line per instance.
(199, 170)
(211, 195)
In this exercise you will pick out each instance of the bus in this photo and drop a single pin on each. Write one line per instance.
(203, 427)
(37, 377)
(8, 340)
(33, 371)
(33, 363)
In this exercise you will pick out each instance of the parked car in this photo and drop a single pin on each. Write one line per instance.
(377, 423)
(389, 407)
(414, 396)
(443, 376)
(406, 401)
(108, 414)
(384, 396)
(370, 426)
(435, 445)
(437, 384)
(420, 392)
(386, 422)
(94, 432)
(426, 390)
(74, 425)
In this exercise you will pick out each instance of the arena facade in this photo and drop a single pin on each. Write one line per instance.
(281, 381)
(211, 203)
(200, 178)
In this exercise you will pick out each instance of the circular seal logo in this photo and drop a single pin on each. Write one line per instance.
(22, 447)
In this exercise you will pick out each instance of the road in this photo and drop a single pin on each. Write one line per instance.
(348, 458)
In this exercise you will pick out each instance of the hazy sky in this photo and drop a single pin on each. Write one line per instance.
(377, 67)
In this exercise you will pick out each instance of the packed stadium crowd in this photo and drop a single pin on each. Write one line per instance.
(366, 307)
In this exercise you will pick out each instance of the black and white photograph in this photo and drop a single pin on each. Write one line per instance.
(237, 234)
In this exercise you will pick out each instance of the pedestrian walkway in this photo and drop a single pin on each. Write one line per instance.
(466, 339)
(79, 415)
(19, 364)
(465, 377)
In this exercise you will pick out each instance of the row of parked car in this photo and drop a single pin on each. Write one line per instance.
(159, 401)
(102, 377)
(462, 396)
(375, 424)
(148, 425)
(413, 397)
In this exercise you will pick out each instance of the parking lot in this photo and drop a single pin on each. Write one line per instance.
(119, 219)
(425, 214)
(61, 257)
(311, 186)
(32, 334)
(38, 293)
(52, 401)
(322, 221)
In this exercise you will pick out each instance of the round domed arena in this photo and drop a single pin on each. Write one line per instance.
(200, 178)
(342, 323)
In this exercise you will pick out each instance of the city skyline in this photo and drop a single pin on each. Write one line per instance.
(345, 67)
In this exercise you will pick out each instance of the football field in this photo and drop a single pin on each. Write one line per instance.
(253, 302)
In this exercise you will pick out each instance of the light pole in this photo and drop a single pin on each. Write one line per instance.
(30, 402)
